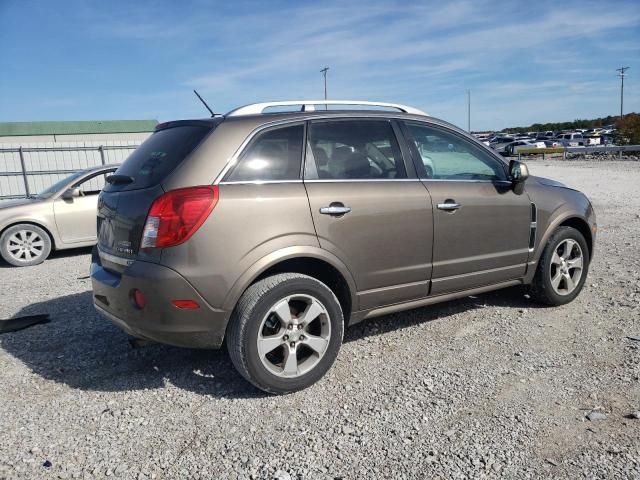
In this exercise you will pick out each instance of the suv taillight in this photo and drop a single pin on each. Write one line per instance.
(176, 215)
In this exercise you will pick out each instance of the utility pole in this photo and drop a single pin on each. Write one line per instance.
(621, 75)
(324, 75)
(621, 71)
(469, 111)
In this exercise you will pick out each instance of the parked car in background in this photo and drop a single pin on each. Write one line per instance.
(514, 148)
(273, 232)
(483, 137)
(544, 136)
(551, 143)
(592, 139)
(62, 216)
(571, 139)
(499, 143)
(607, 139)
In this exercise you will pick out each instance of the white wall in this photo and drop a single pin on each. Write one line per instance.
(13, 185)
(30, 139)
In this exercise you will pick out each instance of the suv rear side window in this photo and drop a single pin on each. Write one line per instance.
(159, 155)
(355, 149)
(273, 156)
(446, 156)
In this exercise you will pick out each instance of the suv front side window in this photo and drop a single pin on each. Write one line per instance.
(354, 150)
(446, 156)
(274, 155)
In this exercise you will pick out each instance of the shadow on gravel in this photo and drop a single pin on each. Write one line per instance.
(513, 297)
(84, 351)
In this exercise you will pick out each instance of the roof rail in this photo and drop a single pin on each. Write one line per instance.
(309, 106)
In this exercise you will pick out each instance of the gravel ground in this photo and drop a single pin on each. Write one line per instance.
(488, 386)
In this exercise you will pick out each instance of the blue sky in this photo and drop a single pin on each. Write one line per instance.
(524, 62)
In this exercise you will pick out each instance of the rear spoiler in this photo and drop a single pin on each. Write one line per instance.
(209, 122)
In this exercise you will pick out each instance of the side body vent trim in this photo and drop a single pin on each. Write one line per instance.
(533, 227)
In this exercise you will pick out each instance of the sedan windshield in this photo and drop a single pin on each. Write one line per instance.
(53, 189)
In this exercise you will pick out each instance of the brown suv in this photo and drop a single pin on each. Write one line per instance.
(274, 231)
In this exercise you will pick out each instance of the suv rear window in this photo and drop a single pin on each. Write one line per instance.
(159, 155)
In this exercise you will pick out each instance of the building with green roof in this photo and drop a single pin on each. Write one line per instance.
(34, 155)
(76, 131)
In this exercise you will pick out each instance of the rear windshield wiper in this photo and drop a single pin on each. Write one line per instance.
(123, 179)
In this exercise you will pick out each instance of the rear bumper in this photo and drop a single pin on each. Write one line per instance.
(159, 320)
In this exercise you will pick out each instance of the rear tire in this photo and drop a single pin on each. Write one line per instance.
(562, 268)
(285, 332)
(24, 245)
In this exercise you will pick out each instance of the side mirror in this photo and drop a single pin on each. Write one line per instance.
(518, 171)
(71, 193)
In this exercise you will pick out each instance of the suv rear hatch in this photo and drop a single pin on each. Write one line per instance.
(125, 201)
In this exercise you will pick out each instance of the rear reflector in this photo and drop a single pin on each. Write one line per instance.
(138, 298)
(186, 304)
(175, 216)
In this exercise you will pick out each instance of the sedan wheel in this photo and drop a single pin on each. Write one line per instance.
(24, 245)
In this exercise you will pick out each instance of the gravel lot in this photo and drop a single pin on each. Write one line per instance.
(489, 386)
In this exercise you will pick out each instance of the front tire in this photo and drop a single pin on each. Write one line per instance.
(562, 268)
(285, 332)
(24, 245)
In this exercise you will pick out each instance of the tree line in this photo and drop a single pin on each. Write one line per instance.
(578, 123)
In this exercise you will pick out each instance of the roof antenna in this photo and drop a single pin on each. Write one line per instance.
(204, 103)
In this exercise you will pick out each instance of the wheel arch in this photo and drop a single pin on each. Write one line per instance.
(312, 261)
(568, 220)
(47, 230)
(582, 226)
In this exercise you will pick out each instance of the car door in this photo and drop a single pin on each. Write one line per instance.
(481, 226)
(76, 217)
(263, 205)
(366, 209)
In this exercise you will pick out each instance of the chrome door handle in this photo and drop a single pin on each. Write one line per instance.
(449, 206)
(335, 210)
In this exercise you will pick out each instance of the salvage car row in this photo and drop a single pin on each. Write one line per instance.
(511, 144)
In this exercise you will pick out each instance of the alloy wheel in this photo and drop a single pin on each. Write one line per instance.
(566, 267)
(294, 336)
(25, 245)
